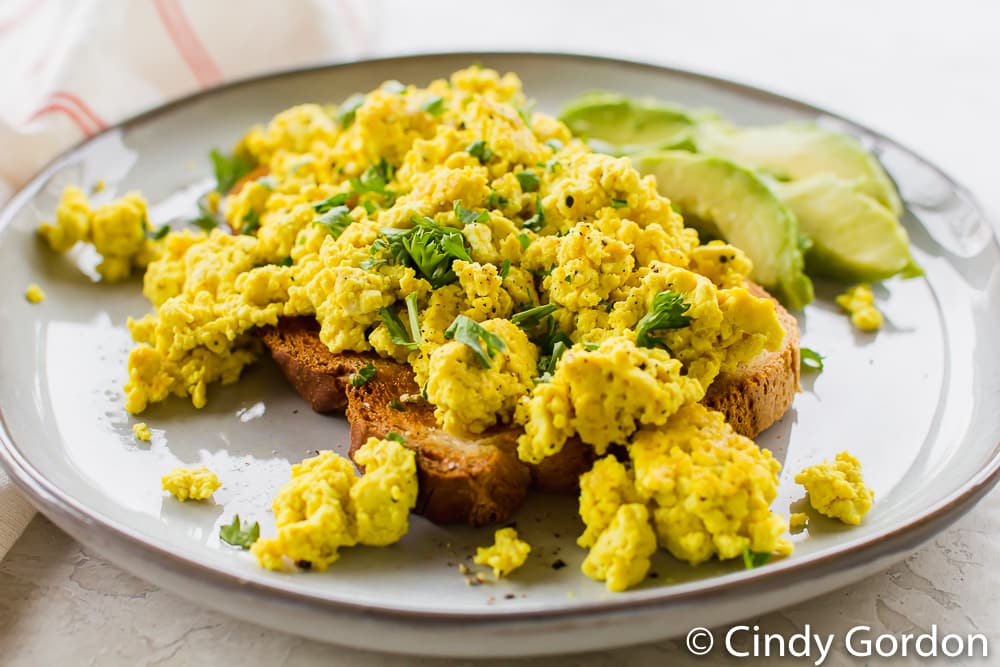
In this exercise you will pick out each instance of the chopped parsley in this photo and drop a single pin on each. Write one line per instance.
(205, 221)
(411, 313)
(532, 317)
(363, 375)
(505, 269)
(752, 559)
(810, 359)
(395, 437)
(331, 202)
(155, 234)
(396, 405)
(536, 221)
(229, 169)
(427, 247)
(547, 363)
(397, 332)
(590, 347)
(434, 105)
(369, 206)
(479, 150)
(667, 312)
(618, 203)
(467, 216)
(336, 220)
(524, 240)
(552, 165)
(484, 344)
(240, 534)
(374, 179)
(286, 261)
(251, 222)
(348, 110)
(495, 200)
(529, 180)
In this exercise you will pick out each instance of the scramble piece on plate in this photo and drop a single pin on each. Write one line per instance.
(507, 553)
(326, 506)
(837, 489)
(191, 483)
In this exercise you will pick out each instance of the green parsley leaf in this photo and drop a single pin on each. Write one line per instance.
(555, 145)
(547, 364)
(240, 534)
(397, 332)
(618, 203)
(810, 359)
(468, 331)
(536, 221)
(495, 200)
(396, 405)
(374, 179)
(590, 347)
(371, 263)
(667, 312)
(369, 206)
(363, 375)
(428, 247)
(157, 234)
(552, 165)
(335, 220)
(529, 180)
(752, 559)
(568, 278)
(251, 222)
(467, 216)
(332, 202)
(505, 269)
(395, 437)
(434, 105)
(479, 150)
(286, 261)
(524, 240)
(228, 170)
(206, 222)
(528, 319)
(526, 111)
(347, 110)
(411, 312)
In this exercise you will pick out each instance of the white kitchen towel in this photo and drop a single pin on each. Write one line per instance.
(72, 67)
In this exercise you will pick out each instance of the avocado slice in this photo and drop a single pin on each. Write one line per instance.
(721, 198)
(618, 125)
(854, 237)
(794, 151)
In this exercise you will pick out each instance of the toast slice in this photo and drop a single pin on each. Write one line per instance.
(479, 479)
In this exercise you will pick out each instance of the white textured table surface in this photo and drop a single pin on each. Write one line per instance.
(925, 73)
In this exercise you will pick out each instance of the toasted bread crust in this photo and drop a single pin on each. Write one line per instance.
(478, 479)
(759, 393)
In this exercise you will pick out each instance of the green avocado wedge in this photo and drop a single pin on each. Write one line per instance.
(794, 151)
(721, 198)
(854, 237)
(619, 125)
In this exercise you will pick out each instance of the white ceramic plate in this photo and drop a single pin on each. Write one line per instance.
(918, 404)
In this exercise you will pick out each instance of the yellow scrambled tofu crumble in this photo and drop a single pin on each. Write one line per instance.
(837, 489)
(859, 302)
(191, 483)
(525, 279)
(34, 294)
(326, 506)
(141, 431)
(507, 553)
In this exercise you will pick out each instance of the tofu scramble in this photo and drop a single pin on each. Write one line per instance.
(525, 279)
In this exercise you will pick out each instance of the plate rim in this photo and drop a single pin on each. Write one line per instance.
(54, 502)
